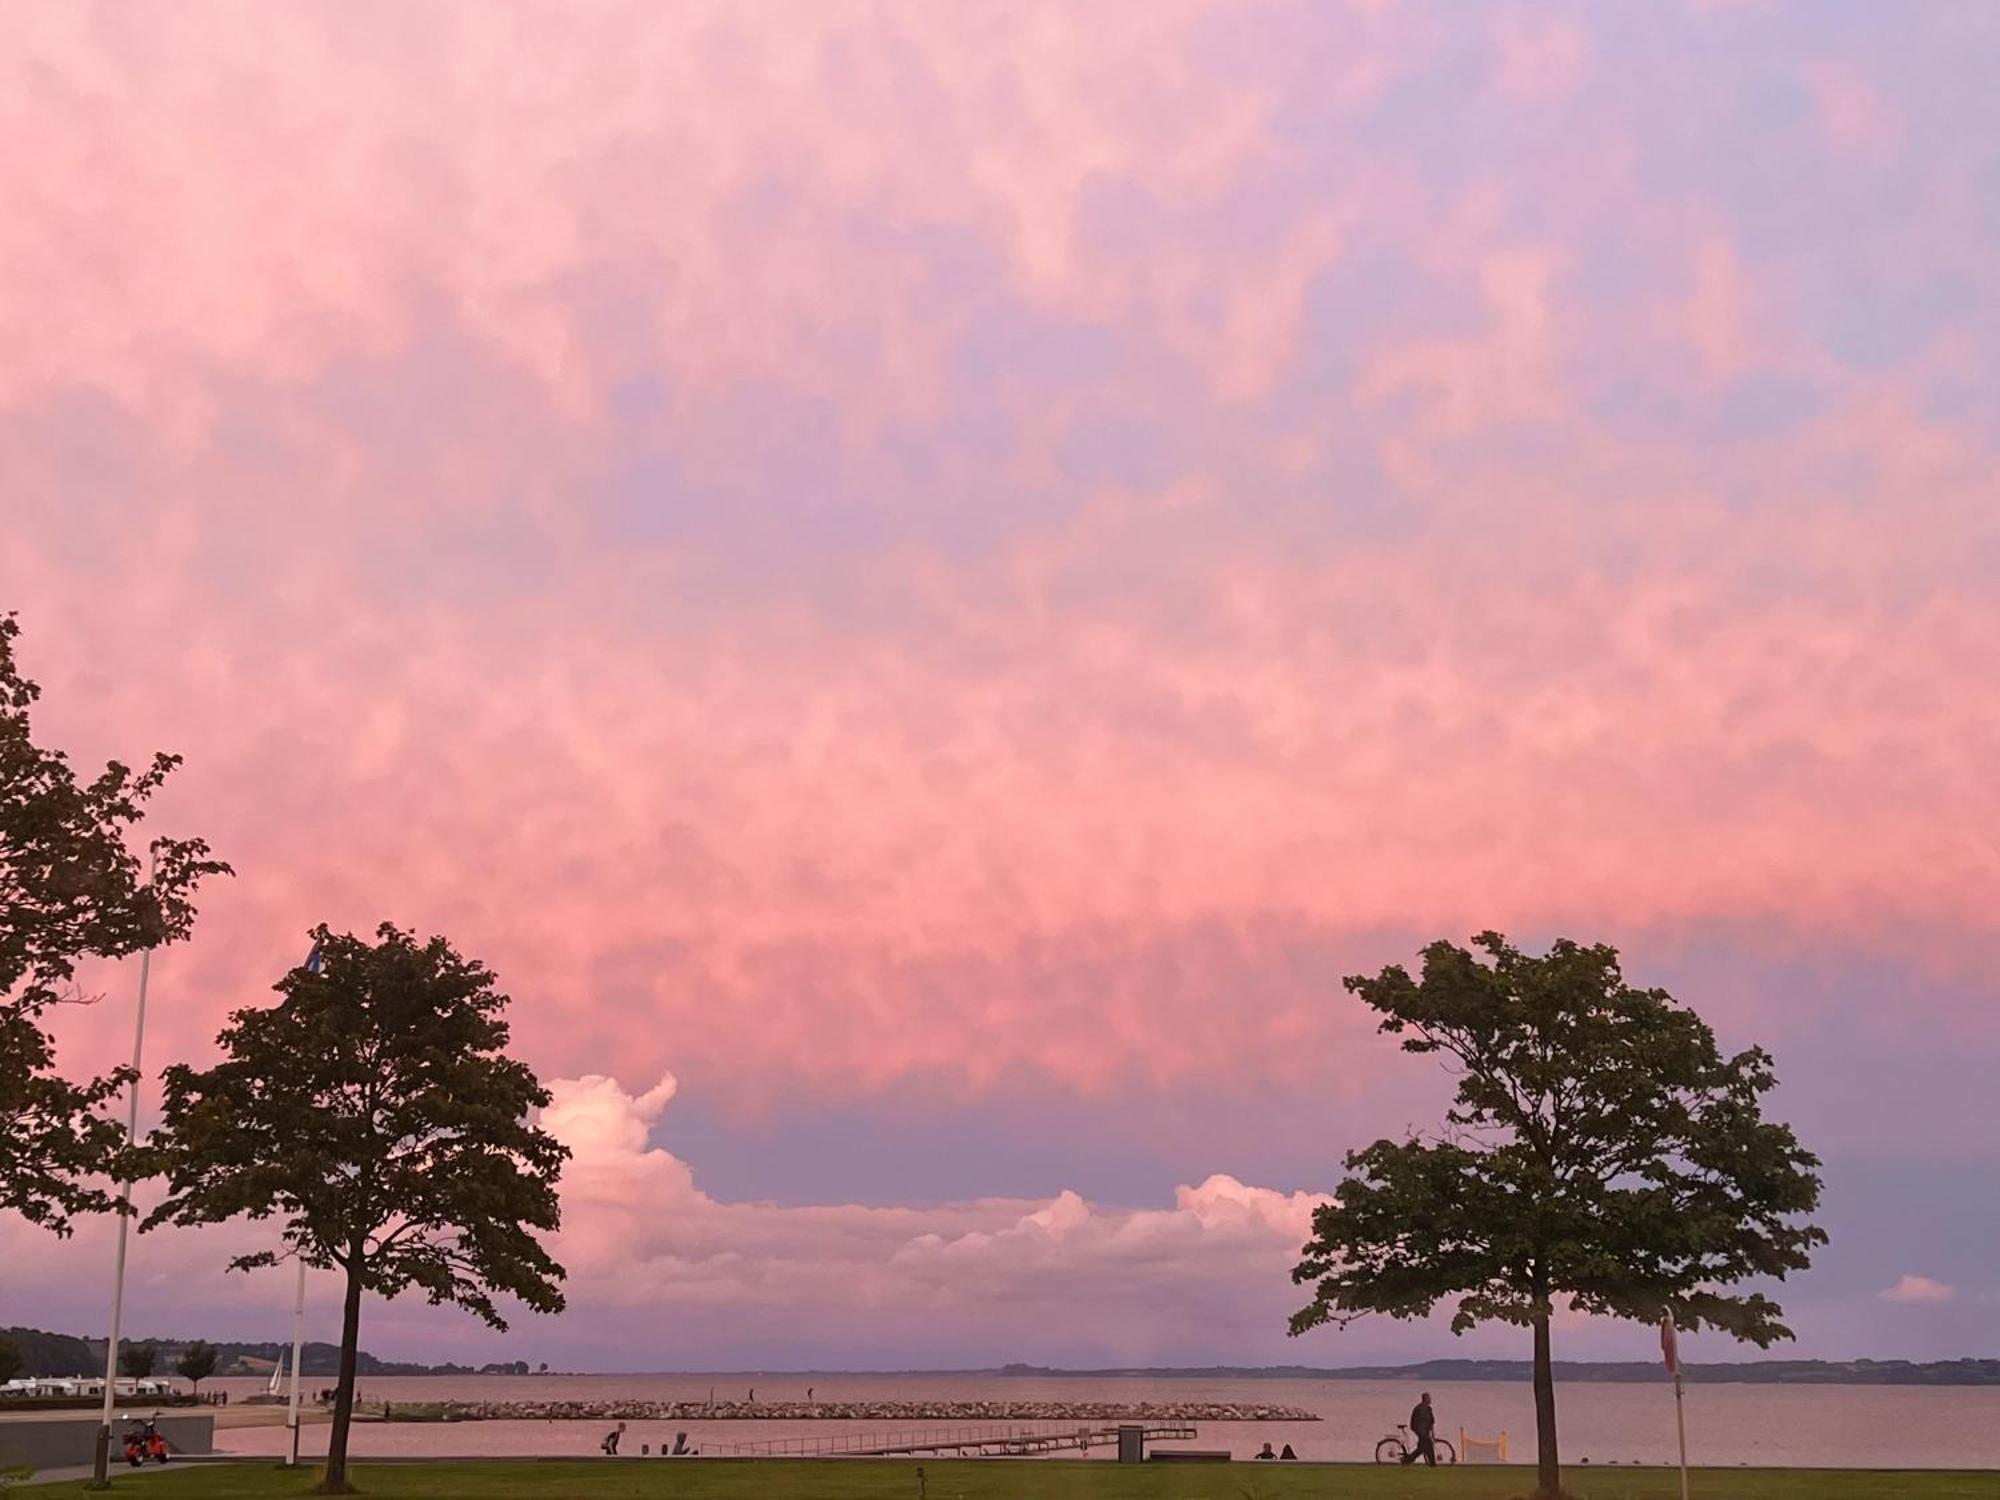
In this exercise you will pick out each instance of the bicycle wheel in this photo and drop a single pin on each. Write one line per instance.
(1445, 1452)
(1389, 1451)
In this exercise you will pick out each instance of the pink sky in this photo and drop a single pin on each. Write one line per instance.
(937, 574)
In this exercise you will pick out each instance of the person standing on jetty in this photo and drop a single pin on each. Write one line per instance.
(1423, 1423)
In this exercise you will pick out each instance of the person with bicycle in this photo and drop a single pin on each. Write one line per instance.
(1423, 1425)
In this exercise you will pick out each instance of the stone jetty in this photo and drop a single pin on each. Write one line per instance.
(616, 1410)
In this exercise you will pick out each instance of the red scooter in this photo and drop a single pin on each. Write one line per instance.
(143, 1441)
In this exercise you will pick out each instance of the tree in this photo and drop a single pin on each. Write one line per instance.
(374, 1110)
(196, 1364)
(11, 1358)
(136, 1361)
(1599, 1149)
(69, 890)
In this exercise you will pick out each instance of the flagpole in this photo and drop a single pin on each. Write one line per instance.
(298, 1348)
(101, 1459)
(311, 966)
(1680, 1421)
(1670, 1355)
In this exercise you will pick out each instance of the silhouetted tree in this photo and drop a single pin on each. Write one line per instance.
(196, 1364)
(1600, 1149)
(374, 1110)
(11, 1358)
(69, 890)
(136, 1361)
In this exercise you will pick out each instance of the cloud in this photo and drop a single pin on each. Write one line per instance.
(650, 1254)
(892, 547)
(1918, 1289)
(1855, 117)
(638, 1232)
(1540, 57)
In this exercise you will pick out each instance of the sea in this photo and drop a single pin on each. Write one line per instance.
(1824, 1426)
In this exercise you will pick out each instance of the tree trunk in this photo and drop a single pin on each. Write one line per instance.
(335, 1482)
(1548, 1470)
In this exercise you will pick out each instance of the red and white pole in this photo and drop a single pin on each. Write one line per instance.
(1670, 1352)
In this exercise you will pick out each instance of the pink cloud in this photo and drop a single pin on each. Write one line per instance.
(1541, 57)
(958, 747)
(1855, 117)
(1919, 1289)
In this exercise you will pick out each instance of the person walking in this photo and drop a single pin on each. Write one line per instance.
(1423, 1425)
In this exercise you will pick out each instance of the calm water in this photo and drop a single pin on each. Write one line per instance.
(1824, 1426)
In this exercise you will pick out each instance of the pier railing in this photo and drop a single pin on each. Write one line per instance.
(988, 1441)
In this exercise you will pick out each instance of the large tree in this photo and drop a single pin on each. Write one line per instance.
(136, 1361)
(196, 1364)
(70, 889)
(1600, 1150)
(11, 1358)
(374, 1110)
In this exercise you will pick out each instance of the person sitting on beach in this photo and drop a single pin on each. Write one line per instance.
(1265, 1452)
(1286, 1452)
(610, 1443)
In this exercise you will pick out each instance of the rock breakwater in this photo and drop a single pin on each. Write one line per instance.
(850, 1411)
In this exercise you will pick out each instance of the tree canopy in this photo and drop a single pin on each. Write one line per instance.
(374, 1111)
(70, 889)
(11, 1358)
(136, 1361)
(1600, 1149)
(197, 1363)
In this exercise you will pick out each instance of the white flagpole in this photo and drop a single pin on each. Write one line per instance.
(101, 1462)
(299, 1305)
(298, 1349)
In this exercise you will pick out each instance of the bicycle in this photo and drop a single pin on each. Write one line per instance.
(1397, 1448)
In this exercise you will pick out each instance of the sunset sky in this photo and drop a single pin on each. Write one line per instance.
(922, 579)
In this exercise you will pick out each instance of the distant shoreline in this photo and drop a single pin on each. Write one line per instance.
(1961, 1372)
(1977, 1372)
(54, 1355)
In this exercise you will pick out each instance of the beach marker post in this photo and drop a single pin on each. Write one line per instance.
(1671, 1354)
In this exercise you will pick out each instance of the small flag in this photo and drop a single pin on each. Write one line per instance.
(314, 959)
(1669, 1344)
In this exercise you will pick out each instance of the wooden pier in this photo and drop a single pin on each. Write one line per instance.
(961, 1442)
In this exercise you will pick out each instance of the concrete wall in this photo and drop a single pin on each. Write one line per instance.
(59, 1442)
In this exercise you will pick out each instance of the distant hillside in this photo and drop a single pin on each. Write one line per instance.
(1748, 1372)
(64, 1354)
(54, 1353)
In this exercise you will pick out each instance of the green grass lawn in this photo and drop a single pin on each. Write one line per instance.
(1000, 1479)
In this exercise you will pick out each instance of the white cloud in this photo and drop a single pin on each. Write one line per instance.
(1919, 1289)
(657, 1264)
(638, 1231)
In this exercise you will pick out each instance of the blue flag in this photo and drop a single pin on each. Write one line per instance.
(313, 960)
